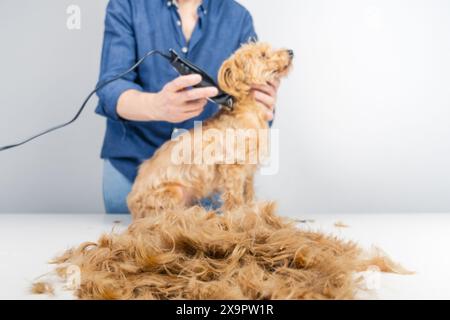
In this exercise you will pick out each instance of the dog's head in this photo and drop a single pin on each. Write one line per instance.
(253, 64)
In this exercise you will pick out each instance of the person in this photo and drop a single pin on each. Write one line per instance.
(146, 107)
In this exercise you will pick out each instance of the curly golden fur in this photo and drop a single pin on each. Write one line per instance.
(162, 185)
(247, 253)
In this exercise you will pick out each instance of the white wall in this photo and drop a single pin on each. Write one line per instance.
(363, 119)
(46, 71)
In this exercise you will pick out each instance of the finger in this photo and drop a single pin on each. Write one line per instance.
(265, 99)
(192, 114)
(269, 116)
(197, 94)
(194, 106)
(184, 82)
(267, 89)
(275, 84)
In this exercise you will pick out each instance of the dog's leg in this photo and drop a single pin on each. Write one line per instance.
(249, 191)
(140, 205)
(233, 186)
(155, 201)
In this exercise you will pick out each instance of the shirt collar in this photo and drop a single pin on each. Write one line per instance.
(203, 6)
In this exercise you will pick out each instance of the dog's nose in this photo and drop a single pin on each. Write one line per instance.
(290, 53)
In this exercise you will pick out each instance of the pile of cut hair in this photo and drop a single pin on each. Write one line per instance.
(250, 253)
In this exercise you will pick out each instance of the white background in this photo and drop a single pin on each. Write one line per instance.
(363, 119)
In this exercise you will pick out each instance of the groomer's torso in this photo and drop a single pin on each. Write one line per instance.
(220, 30)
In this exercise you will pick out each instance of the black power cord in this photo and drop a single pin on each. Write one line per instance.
(99, 86)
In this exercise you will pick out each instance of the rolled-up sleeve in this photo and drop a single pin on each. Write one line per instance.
(118, 55)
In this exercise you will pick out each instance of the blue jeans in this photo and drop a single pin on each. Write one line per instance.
(116, 188)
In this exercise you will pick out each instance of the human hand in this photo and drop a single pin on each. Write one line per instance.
(267, 96)
(176, 103)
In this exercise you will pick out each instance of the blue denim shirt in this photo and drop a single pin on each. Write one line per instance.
(134, 27)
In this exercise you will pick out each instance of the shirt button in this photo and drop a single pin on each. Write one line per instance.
(205, 12)
(176, 133)
(184, 50)
(169, 3)
(179, 23)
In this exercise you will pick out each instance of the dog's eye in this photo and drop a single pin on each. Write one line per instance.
(263, 55)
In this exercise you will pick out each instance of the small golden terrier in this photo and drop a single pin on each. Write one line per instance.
(220, 156)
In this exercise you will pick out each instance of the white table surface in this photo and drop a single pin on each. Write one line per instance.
(420, 242)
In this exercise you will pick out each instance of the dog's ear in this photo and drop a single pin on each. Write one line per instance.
(232, 80)
(227, 81)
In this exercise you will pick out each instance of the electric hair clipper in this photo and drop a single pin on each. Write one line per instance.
(185, 67)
